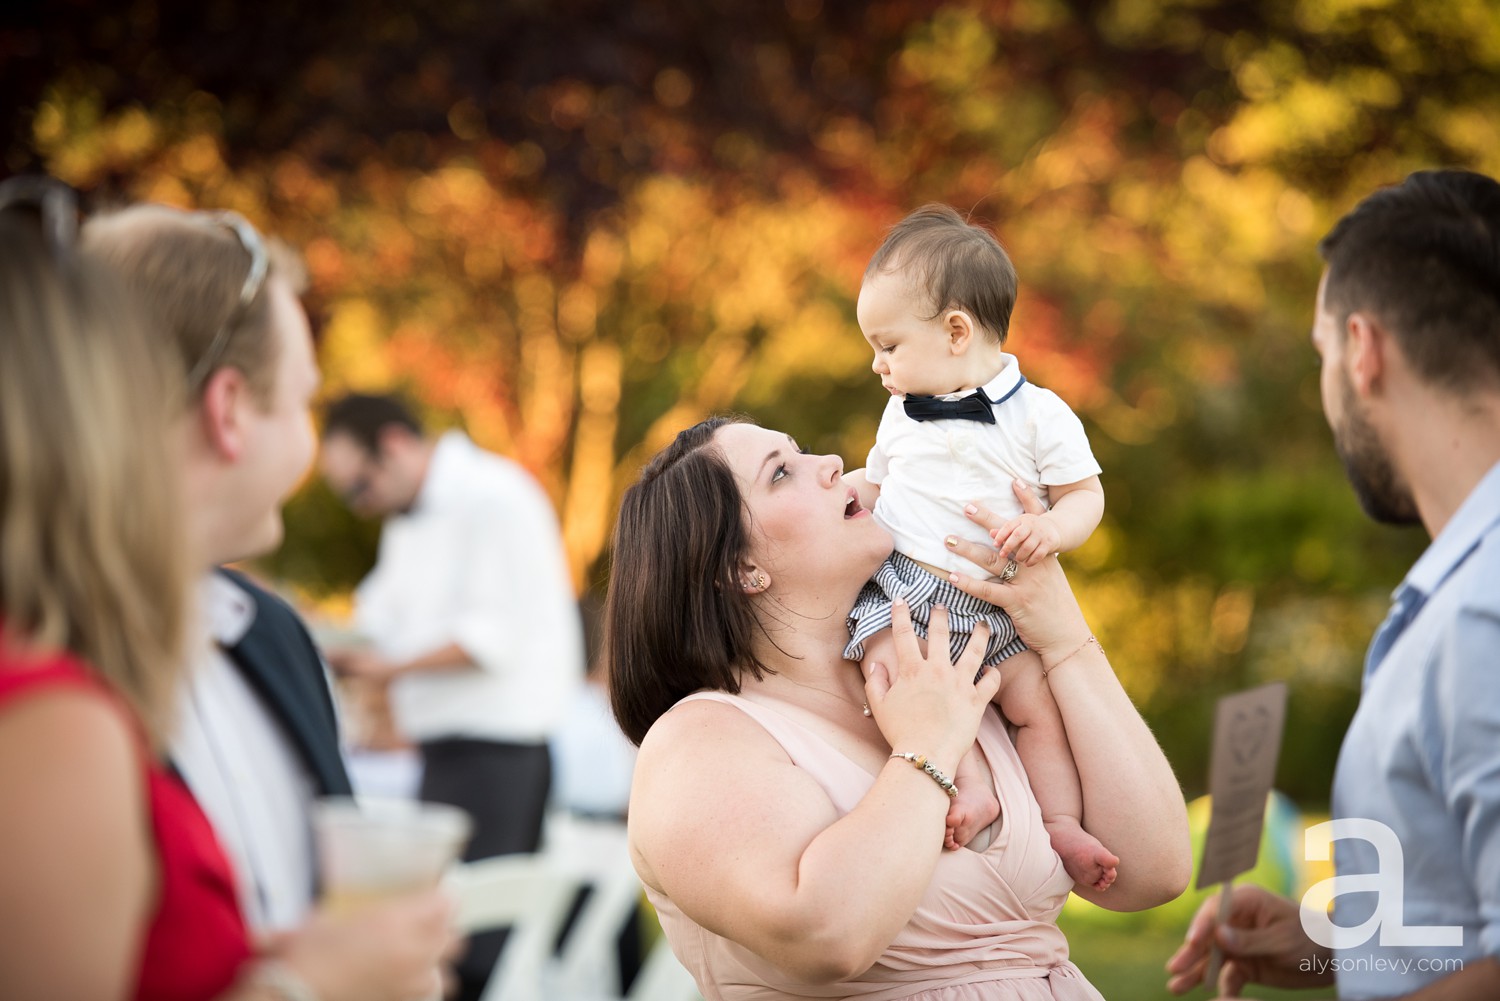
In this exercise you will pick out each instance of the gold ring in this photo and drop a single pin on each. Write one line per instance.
(1009, 573)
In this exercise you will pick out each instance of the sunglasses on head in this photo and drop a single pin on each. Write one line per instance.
(55, 204)
(255, 278)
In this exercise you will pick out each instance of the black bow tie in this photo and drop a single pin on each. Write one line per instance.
(974, 407)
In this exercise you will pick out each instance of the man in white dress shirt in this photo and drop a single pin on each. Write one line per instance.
(257, 738)
(472, 618)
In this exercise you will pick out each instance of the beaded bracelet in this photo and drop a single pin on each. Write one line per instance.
(920, 761)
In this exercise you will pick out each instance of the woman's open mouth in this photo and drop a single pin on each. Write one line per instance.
(851, 505)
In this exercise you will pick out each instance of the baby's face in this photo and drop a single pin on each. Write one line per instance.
(912, 354)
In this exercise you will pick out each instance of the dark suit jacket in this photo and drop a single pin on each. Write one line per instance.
(278, 658)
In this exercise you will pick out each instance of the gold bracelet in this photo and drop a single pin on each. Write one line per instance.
(1076, 651)
(920, 762)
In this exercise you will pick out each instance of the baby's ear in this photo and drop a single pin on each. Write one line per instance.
(960, 328)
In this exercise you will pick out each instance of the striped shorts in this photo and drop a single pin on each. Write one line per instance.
(900, 577)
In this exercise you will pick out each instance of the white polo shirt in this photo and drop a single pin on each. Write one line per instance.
(928, 470)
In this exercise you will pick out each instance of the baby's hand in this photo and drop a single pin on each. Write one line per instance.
(1028, 539)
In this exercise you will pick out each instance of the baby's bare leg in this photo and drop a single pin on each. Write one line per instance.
(1042, 744)
(975, 807)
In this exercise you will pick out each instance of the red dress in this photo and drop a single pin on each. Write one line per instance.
(197, 942)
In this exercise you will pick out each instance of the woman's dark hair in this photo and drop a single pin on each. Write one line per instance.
(676, 619)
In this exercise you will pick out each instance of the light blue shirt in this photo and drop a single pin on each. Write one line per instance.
(1422, 757)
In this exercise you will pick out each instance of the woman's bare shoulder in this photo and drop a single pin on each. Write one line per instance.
(702, 724)
(69, 722)
(702, 765)
(72, 764)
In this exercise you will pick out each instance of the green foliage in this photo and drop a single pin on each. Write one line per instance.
(580, 226)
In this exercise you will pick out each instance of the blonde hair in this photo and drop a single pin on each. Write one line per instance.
(92, 557)
(187, 271)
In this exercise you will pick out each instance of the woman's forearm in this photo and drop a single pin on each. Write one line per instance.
(1131, 800)
(846, 914)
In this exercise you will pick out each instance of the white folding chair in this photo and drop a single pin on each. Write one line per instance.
(530, 896)
(596, 853)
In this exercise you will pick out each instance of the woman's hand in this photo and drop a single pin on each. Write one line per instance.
(390, 951)
(926, 703)
(1038, 599)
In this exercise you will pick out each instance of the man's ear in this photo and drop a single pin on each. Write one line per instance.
(1367, 347)
(221, 412)
(959, 327)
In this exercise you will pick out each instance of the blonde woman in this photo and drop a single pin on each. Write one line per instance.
(112, 884)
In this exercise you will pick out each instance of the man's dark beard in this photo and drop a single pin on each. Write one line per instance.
(1383, 497)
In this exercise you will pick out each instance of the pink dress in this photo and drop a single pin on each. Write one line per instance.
(985, 930)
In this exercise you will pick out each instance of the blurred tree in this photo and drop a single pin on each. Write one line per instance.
(584, 225)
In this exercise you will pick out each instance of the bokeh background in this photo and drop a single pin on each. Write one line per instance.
(577, 226)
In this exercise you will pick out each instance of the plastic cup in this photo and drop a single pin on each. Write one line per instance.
(370, 849)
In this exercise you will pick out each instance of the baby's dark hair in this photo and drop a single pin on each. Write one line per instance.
(960, 265)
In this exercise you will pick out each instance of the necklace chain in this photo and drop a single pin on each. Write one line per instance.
(864, 706)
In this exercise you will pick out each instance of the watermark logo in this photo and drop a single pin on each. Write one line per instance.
(1401, 966)
(1387, 882)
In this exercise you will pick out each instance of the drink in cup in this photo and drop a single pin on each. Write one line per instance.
(370, 849)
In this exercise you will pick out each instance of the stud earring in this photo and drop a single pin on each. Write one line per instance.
(760, 580)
